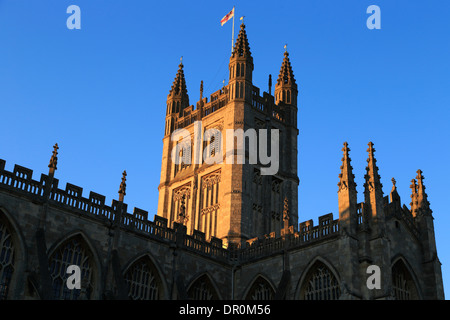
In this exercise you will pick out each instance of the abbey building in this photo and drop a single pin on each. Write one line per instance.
(222, 230)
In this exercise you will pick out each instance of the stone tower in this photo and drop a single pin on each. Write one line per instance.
(214, 173)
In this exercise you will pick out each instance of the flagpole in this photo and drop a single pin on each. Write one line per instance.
(232, 33)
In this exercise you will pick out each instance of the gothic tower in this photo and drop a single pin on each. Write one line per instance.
(213, 173)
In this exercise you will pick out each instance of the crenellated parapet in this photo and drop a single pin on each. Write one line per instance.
(70, 199)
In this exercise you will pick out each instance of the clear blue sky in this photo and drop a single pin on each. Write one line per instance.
(100, 92)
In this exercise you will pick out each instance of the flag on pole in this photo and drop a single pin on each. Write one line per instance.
(227, 17)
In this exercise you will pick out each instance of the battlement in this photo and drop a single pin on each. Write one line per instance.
(264, 104)
(20, 182)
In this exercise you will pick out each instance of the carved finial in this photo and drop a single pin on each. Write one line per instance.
(286, 75)
(270, 84)
(372, 169)
(413, 186)
(241, 47)
(201, 90)
(413, 203)
(54, 158)
(346, 150)
(346, 177)
(123, 186)
(422, 198)
(371, 149)
(394, 196)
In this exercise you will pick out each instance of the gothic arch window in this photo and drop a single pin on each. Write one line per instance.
(209, 204)
(213, 147)
(260, 290)
(202, 289)
(143, 280)
(259, 220)
(73, 251)
(183, 156)
(403, 283)
(7, 266)
(320, 284)
(180, 204)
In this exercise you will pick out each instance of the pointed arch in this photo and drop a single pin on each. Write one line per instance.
(203, 288)
(260, 289)
(74, 249)
(404, 281)
(144, 279)
(319, 281)
(12, 257)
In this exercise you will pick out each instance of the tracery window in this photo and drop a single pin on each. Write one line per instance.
(260, 290)
(202, 289)
(259, 222)
(402, 283)
(209, 204)
(143, 281)
(320, 284)
(183, 156)
(180, 204)
(72, 252)
(212, 150)
(6, 260)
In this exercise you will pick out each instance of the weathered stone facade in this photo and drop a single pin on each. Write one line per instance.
(222, 231)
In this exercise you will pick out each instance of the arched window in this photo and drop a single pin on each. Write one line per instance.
(209, 204)
(260, 290)
(202, 289)
(402, 283)
(6, 260)
(143, 281)
(73, 251)
(238, 70)
(320, 284)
